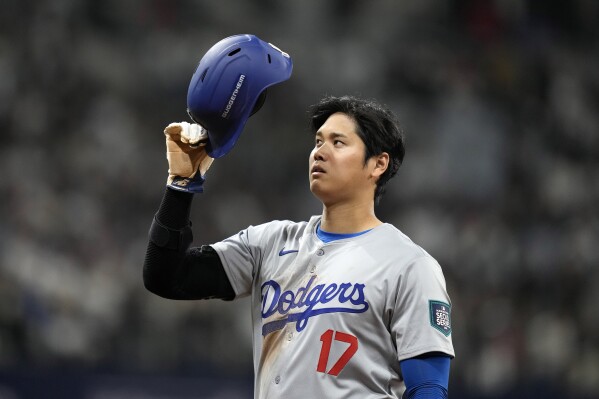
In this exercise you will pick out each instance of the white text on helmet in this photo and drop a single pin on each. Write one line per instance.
(233, 96)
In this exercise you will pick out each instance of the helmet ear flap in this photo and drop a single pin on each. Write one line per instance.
(259, 102)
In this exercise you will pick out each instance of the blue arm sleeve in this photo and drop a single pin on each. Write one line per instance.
(426, 376)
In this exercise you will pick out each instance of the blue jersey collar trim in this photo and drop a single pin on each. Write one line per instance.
(327, 237)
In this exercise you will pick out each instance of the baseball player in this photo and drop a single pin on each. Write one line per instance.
(344, 305)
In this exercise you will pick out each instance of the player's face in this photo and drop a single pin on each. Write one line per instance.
(336, 168)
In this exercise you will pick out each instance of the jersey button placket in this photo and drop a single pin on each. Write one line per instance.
(312, 267)
(288, 333)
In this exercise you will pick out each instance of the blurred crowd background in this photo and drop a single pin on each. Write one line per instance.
(499, 101)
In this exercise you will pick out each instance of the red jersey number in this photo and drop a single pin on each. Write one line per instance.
(327, 340)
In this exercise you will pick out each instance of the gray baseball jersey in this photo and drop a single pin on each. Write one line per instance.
(334, 320)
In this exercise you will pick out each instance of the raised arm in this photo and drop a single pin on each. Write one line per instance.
(172, 268)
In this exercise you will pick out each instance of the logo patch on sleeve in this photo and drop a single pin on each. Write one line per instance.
(440, 316)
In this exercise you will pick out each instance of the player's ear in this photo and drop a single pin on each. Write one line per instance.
(381, 163)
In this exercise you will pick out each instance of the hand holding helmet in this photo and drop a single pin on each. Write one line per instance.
(228, 86)
(188, 161)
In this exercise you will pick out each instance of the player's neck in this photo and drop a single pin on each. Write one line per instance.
(348, 218)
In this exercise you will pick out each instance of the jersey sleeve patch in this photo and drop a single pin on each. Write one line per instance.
(440, 313)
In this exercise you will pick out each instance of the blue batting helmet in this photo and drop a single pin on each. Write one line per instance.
(229, 85)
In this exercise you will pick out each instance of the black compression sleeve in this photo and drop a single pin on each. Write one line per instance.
(176, 271)
(175, 208)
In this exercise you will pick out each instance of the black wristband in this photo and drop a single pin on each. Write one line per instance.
(166, 237)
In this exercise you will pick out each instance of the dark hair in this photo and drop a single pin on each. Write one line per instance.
(376, 125)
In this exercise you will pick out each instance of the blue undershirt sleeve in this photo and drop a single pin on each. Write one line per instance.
(426, 376)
